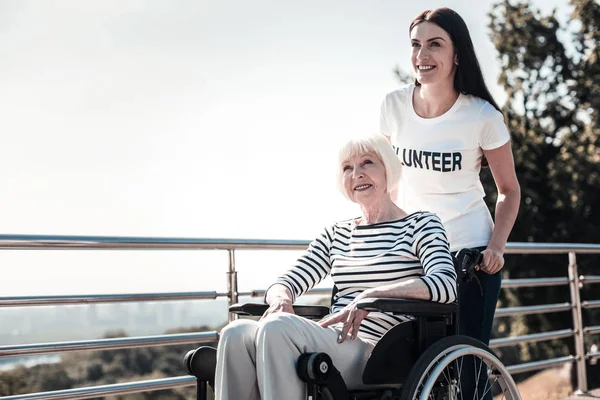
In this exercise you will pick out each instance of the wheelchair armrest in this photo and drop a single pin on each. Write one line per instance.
(258, 309)
(408, 307)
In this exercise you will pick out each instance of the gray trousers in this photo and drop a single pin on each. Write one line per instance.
(257, 360)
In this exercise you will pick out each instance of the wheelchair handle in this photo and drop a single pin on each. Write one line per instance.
(466, 261)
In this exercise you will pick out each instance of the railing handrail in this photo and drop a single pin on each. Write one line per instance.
(64, 242)
(108, 343)
(69, 242)
(82, 299)
(531, 338)
(529, 310)
(29, 301)
(105, 390)
(78, 242)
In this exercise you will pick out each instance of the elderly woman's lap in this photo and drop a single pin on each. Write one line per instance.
(261, 353)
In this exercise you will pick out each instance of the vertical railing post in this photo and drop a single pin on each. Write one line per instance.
(574, 286)
(232, 285)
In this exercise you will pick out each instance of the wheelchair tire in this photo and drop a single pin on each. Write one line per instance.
(433, 376)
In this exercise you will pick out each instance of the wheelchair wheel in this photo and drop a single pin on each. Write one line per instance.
(459, 368)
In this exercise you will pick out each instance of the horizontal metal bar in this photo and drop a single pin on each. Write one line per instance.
(537, 365)
(14, 242)
(546, 308)
(535, 282)
(21, 301)
(590, 304)
(261, 292)
(589, 279)
(108, 344)
(30, 242)
(593, 356)
(105, 390)
(592, 330)
(551, 248)
(535, 337)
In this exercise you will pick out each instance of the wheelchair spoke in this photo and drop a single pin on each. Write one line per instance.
(478, 376)
(447, 376)
(459, 375)
(491, 385)
(452, 378)
(447, 373)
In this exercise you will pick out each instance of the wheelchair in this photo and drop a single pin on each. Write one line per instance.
(424, 359)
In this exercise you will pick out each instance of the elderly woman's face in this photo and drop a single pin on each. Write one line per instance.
(364, 177)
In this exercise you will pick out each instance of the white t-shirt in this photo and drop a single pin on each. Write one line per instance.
(441, 159)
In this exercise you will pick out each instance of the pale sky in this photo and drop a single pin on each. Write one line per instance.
(190, 118)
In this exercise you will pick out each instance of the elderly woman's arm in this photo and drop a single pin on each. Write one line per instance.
(278, 292)
(279, 299)
(438, 283)
(430, 244)
(310, 269)
(439, 280)
(411, 289)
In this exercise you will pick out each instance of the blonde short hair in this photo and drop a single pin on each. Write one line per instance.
(377, 144)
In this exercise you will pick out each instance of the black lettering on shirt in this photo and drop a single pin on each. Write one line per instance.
(456, 161)
(426, 154)
(406, 162)
(440, 161)
(435, 160)
(417, 158)
(446, 162)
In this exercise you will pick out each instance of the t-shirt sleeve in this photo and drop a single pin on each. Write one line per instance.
(311, 268)
(432, 247)
(494, 132)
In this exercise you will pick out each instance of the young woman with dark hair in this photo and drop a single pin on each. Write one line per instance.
(443, 128)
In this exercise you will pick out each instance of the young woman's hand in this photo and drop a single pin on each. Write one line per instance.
(493, 260)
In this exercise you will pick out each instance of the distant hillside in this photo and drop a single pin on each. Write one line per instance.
(106, 367)
(80, 322)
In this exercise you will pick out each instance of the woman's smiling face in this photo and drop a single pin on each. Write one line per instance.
(433, 57)
(364, 177)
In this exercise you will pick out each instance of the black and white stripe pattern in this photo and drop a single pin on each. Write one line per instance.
(359, 257)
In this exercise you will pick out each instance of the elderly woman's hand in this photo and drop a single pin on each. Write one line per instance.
(278, 304)
(350, 315)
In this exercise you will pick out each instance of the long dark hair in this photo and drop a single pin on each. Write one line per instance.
(468, 78)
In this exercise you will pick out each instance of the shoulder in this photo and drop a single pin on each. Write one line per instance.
(490, 114)
(344, 227)
(398, 96)
(346, 223)
(482, 109)
(427, 219)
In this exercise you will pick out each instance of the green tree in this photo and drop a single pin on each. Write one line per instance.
(553, 113)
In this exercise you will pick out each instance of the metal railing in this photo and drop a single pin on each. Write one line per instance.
(29, 242)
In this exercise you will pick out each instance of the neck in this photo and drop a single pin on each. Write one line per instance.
(436, 99)
(381, 211)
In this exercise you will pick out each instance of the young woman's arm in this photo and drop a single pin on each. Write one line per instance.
(507, 205)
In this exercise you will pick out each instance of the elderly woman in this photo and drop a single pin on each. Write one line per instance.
(383, 253)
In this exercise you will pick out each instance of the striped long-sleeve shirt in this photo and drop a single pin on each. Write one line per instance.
(359, 257)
